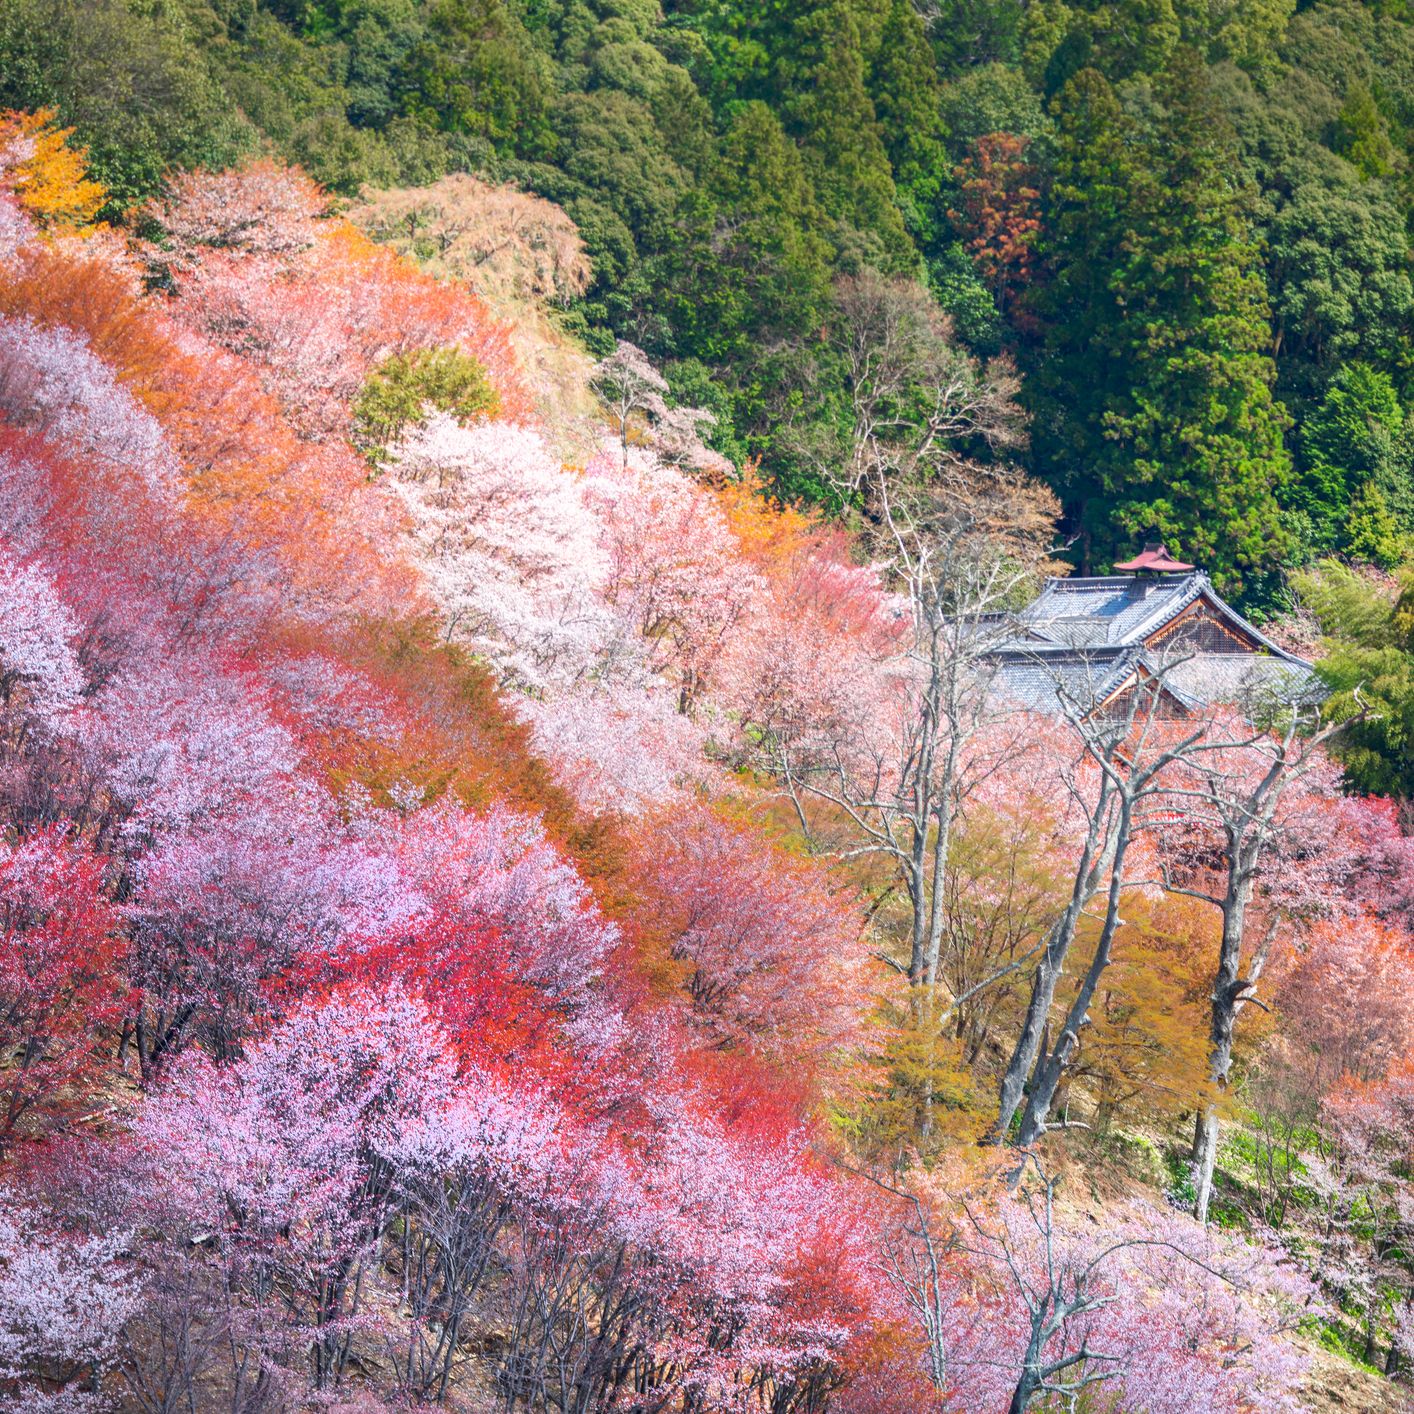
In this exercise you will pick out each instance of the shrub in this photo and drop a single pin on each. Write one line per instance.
(403, 388)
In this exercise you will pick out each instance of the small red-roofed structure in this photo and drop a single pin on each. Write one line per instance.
(1156, 559)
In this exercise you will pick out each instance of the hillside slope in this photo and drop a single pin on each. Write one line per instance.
(467, 908)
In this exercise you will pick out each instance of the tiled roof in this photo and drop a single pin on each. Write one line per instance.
(1082, 639)
(1205, 678)
(1048, 681)
(1118, 609)
(1038, 679)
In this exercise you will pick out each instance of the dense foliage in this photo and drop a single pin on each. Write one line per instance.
(1198, 216)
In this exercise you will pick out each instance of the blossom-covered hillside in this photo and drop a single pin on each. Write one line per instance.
(516, 934)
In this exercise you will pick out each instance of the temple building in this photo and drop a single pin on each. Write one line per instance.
(1087, 642)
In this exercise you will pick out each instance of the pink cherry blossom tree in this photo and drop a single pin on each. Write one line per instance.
(64, 1298)
(282, 1156)
(620, 747)
(263, 207)
(510, 552)
(463, 1171)
(672, 571)
(50, 379)
(769, 946)
(1022, 1305)
(37, 638)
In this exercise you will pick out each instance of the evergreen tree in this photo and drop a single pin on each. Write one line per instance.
(1082, 244)
(1352, 439)
(750, 261)
(1372, 533)
(1158, 290)
(834, 118)
(477, 72)
(907, 102)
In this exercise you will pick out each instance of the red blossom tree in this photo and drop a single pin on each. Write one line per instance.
(61, 977)
(767, 947)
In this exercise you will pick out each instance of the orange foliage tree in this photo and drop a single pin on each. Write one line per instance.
(49, 175)
(263, 495)
(1000, 215)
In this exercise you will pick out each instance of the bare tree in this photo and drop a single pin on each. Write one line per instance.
(917, 402)
(1057, 1283)
(964, 538)
(1233, 790)
(636, 395)
(507, 244)
(966, 541)
(1123, 759)
(963, 549)
(913, 1259)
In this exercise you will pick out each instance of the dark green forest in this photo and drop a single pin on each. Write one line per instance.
(1186, 225)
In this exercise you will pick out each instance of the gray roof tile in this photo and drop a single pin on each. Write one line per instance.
(1082, 638)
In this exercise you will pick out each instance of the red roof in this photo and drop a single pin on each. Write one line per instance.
(1155, 557)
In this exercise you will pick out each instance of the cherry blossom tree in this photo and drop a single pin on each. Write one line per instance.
(672, 572)
(52, 380)
(37, 636)
(511, 554)
(64, 1298)
(1346, 998)
(823, 637)
(1023, 1305)
(499, 872)
(1124, 758)
(316, 320)
(280, 1154)
(620, 747)
(462, 1172)
(636, 397)
(1359, 1179)
(685, 1264)
(61, 981)
(770, 952)
(222, 908)
(178, 742)
(264, 207)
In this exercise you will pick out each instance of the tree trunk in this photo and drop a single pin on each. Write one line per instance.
(1028, 1044)
(1393, 1365)
(918, 899)
(942, 845)
(1052, 1066)
(1031, 1378)
(1226, 1000)
(1372, 1326)
(1205, 1162)
(1043, 985)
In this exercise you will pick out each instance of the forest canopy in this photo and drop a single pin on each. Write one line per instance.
(1185, 226)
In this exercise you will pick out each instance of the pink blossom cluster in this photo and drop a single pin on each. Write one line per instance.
(1169, 1318)
(618, 598)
